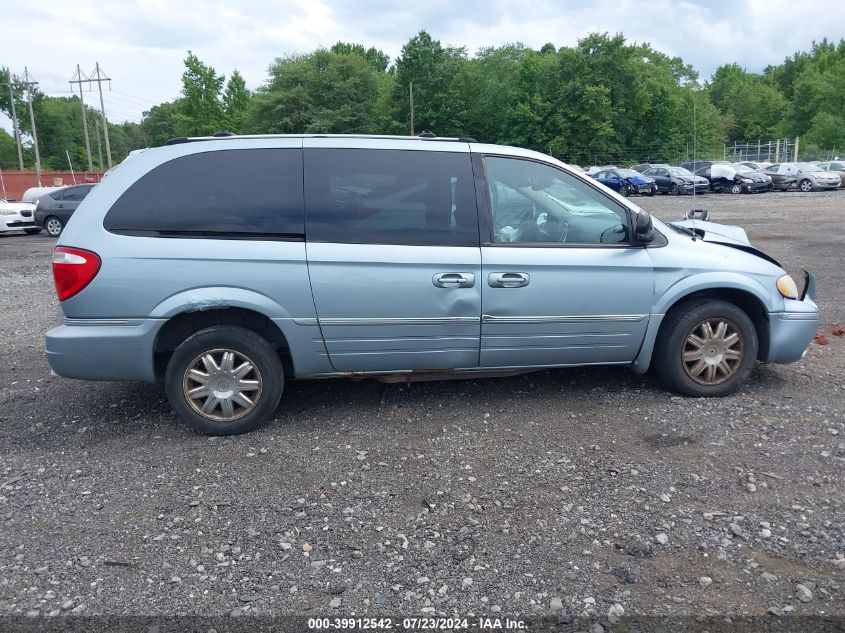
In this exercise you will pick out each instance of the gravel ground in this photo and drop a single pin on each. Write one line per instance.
(580, 493)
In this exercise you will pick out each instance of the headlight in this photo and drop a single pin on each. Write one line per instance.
(8, 212)
(745, 181)
(786, 286)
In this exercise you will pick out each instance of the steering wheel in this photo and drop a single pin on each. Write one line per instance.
(564, 231)
(614, 228)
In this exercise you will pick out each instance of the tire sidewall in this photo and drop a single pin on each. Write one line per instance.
(252, 345)
(61, 226)
(679, 323)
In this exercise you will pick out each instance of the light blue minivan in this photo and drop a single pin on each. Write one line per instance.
(224, 265)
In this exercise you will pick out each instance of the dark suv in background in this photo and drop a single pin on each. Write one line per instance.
(54, 210)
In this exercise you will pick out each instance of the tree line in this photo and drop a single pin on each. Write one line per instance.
(603, 100)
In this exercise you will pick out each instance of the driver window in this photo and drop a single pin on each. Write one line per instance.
(536, 203)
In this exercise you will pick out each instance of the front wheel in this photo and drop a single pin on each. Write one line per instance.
(805, 185)
(705, 348)
(224, 380)
(736, 188)
(54, 226)
(674, 189)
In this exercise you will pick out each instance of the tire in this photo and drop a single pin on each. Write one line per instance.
(736, 188)
(805, 185)
(262, 383)
(53, 226)
(674, 189)
(677, 357)
(651, 192)
(32, 231)
(624, 191)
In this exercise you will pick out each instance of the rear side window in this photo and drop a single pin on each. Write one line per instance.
(76, 193)
(236, 192)
(368, 196)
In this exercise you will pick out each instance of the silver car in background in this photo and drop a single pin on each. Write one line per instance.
(802, 176)
(223, 266)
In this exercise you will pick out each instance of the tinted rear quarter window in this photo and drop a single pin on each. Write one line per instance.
(248, 192)
(410, 197)
(76, 193)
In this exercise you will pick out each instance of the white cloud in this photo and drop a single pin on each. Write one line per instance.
(142, 43)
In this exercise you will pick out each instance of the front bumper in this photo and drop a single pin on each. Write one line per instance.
(15, 222)
(104, 349)
(700, 187)
(791, 331)
(757, 187)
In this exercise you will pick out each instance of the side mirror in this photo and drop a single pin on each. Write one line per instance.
(643, 228)
(698, 214)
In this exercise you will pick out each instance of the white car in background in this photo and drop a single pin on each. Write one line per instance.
(18, 216)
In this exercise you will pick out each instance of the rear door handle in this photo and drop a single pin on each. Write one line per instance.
(508, 280)
(453, 280)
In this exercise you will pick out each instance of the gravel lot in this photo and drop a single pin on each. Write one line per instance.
(560, 494)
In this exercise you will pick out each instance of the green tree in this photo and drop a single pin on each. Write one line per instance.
(438, 75)
(160, 123)
(376, 58)
(235, 102)
(200, 108)
(752, 107)
(323, 92)
(8, 151)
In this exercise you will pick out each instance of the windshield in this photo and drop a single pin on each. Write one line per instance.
(744, 169)
(807, 167)
(628, 173)
(680, 171)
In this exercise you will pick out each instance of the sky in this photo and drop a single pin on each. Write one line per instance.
(141, 44)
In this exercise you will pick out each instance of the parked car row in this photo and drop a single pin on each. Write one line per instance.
(44, 208)
(718, 176)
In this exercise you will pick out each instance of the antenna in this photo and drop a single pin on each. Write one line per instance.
(694, 161)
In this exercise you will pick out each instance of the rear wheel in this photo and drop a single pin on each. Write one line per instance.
(54, 226)
(705, 348)
(224, 380)
(805, 185)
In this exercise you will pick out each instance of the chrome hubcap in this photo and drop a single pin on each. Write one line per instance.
(222, 385)
(54, 227)
(713, 351)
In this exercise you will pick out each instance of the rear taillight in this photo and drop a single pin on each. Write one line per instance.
(73, 269)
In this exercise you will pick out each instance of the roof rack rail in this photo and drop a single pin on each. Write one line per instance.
(225, 134)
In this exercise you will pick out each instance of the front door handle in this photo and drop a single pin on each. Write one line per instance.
(453, 280)
(508, 280)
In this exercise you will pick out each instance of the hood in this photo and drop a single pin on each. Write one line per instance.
(17, 206)
(724, 234)
(639, 180)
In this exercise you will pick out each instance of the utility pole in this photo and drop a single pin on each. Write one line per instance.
(99, 146)
(15, 123)
(29, 81)
(77, 79)
(411, 98)
(98, 77)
